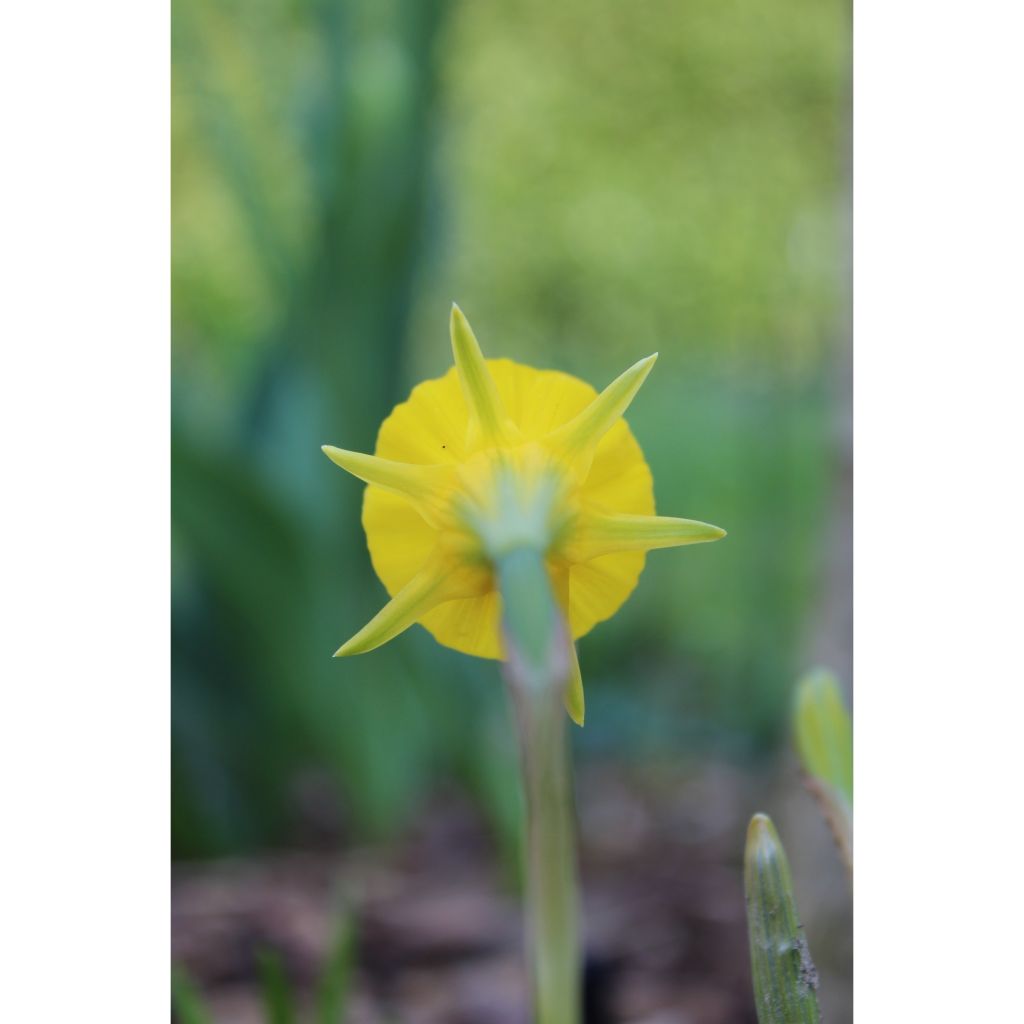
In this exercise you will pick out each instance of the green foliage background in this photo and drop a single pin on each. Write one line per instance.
(592, 181)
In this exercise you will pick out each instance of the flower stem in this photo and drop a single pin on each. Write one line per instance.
(551, 898)
(537, 672)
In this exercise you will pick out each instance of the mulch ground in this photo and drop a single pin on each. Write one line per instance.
(439, 933)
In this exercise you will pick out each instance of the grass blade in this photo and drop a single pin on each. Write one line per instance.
(186, 1000)
(277, 997)
(335, 982)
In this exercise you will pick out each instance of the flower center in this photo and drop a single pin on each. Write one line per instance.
(509, 498)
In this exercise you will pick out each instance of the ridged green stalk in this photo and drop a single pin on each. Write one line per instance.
(785, 979)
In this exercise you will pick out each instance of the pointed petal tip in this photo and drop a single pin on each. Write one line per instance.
(575, 701)
(585, 430)
(341, 457)
(645, 365)
(461, 333)
(708, 533)
(488, 417)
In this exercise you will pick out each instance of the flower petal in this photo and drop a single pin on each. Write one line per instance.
(472, 625)
(488, 419)
(574, 701)
(578, 438)
(428, 588)
(600, 534)
(430, 428)
(575, 704)
(601, 586)
(423, 485)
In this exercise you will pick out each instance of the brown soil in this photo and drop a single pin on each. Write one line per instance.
(439, 924)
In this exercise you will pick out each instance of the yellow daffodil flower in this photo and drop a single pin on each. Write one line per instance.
(495, 454)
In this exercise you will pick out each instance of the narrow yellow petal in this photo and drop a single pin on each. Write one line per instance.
(424, 591)
(424, 485)
(581, 434)
(488, 418)
(596, 534)
(574, 702)
(403, 477)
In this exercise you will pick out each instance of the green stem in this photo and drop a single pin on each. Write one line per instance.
(551, 898)
(537, 672)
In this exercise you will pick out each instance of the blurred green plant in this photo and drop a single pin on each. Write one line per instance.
(693, 192)
(337, 166)
(785, 979)
(336, 981)
(185, 999)
(278, 1000)
(280, 1005)
(824, 740)
(692, 202)
(266, 546)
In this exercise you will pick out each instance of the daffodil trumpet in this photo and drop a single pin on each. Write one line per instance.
(509, 510)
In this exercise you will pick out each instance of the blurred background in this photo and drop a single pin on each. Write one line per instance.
(592, 181)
